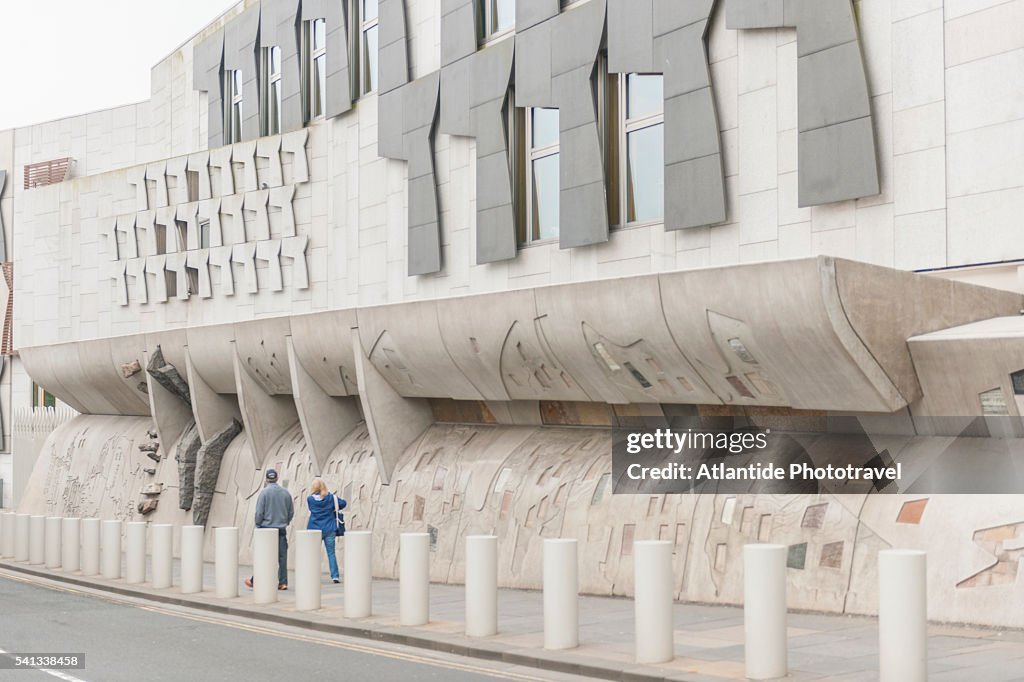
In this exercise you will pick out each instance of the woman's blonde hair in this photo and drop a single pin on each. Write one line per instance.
(318, 487)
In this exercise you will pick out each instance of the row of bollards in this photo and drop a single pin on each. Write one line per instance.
(75, 545)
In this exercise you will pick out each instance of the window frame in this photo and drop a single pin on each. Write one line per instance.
(526, 156)
(487, 16)
(310, 55)
(360, 28)
(270, 79)
(619, 150)
(233, 99)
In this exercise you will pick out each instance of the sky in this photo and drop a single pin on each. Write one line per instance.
(59, 58)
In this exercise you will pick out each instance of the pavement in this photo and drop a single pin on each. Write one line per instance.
(708, 639)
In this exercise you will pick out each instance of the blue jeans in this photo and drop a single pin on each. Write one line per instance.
(332, 560)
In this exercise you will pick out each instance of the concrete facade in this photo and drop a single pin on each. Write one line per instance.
(352, 289)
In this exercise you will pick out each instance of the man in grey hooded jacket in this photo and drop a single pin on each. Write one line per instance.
(274, 509)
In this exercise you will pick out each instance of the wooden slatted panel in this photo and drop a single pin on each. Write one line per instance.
(6, 340)
(46, 172)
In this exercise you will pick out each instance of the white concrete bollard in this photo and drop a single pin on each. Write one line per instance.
(191, 559)
(414, 578)
(90, 546)
(764, 611)
(36, 539)
(226, 540)
(358, 574)
(51, 554)
(163, 555)
(481, 585)
(135, 552)
(21, 541)
(307, 569)
(7, 528)
(561, 594)
(111, 554)
(264, 565)
(652, 601)
(903, 615)
(70, 544)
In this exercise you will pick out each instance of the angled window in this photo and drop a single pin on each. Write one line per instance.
(367, 42)
(232, 106)
(314, 68)
(537, 175)
(636, 149)
(204, 234)
(496, 18)
(270, 89)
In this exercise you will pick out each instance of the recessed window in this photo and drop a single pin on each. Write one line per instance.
(204, 234)
(540, 176)
(643, 129)
(368, 18)
(314, 67)
(232, 106)
(497, 17)
(271, 90)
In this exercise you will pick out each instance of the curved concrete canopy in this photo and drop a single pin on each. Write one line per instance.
(817, 333)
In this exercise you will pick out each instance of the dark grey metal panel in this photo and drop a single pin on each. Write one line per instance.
(458, 30)
(837, 163)
(393, 50)
(278, 26)
(837, 150)
(407, 124)
(567, 83)
(532, 12)
(668, 37)
(241, 52)
(474, 91)
(207, 64)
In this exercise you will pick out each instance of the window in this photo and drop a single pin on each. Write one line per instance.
(367, 57)
(497, 17)
(204, 234)
(314, 67)
(539, 176)
(232, 106)
(271, 90)
(41, 397)
(636, 159)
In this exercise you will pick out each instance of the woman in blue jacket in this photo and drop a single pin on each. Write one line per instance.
(322, 517)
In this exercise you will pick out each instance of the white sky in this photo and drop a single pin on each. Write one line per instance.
(64, 57)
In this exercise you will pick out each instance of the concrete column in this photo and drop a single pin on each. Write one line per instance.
(764, 611)
(903, 615)
(652, 601)
(111, 550)
(307, 569)
(7, 529)
(191, 559)
(70, 544)
(358, 574)
(163, 555)
(481, 585)
(90, 546)
(226, 540)
(264, 565)
(135, 552)
(561, 595)
(36, 539)
(51, 553)
(21, 543)
(414, 578)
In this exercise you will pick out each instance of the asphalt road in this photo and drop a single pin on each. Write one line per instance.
(136, 641)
